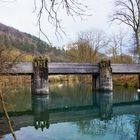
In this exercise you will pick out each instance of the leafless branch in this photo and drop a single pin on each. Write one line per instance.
(6, 115)
(8, 1)
(128, 12)
(52, 8)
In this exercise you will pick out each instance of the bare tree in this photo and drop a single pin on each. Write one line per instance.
(7, 61)
(49, 11)
(89, 47)
(7, 1)
(52, 8)
(128, 12)
(96, 39)
(116, 46)
(6, 115)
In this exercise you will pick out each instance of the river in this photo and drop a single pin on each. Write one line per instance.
(72, 111)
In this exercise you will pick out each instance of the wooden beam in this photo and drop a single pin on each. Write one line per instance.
(125, 68)
(74, 68)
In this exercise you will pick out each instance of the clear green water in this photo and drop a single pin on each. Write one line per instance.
(73, 111)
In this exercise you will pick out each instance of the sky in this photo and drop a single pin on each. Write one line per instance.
(20, 15)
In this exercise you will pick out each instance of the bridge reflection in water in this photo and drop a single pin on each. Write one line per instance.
(102, 107)
(106, 105)
(40, 111)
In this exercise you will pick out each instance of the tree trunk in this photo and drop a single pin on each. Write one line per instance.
(6, 115)
(137, 45)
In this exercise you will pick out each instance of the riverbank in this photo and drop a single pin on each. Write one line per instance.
(126, 80)
(119, 80)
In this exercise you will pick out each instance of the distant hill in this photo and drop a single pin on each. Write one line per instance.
(13, 38)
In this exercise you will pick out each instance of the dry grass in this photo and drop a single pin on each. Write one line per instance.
(126, 80)
(14, 80)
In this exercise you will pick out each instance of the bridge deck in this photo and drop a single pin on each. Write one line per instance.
(75, 68)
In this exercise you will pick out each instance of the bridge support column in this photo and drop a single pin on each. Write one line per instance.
(95, 82)
(139, 81)
(40, 76)
(105, 83)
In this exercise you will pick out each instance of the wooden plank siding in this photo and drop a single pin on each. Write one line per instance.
(125, 68)
(74, 68)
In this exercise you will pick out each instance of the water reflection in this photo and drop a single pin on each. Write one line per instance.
(121, 94)
(105, 105)
(40, 111)
(67, 95)
(139, 96)
(104, 101)
(103, 124)
(138, 129)
(94, 98)
(40, 107)
(77, 112)
(107, 125)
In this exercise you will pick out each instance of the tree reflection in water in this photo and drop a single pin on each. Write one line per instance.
(124, 126)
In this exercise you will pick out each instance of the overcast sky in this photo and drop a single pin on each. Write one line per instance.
(19, 14)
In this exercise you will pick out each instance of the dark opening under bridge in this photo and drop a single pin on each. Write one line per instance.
(39, 69)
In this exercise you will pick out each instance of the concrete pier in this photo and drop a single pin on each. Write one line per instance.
(40, 76)
(105, 76)
(95, 82)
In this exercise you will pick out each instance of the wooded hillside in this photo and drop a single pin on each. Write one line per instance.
(26, 43)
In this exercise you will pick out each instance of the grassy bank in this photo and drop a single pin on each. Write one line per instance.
(60, 78)
(14, 80)
(121, 80)
(126, 80)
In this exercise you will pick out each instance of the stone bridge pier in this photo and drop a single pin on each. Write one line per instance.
(103, 81)
(105, 76)
(40, 76)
